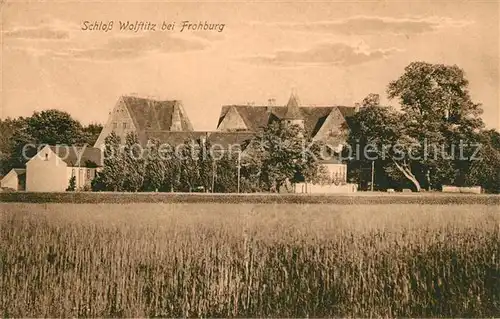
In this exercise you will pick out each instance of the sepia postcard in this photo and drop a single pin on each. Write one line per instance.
(249, 158)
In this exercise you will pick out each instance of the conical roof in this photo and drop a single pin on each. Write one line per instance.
(292, 108)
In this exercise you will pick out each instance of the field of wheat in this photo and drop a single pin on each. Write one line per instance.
(248, 260)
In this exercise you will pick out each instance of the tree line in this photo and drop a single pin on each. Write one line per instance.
(50, 127)
(270, 162)
(128, 168)
(436, 111)
(439, 133)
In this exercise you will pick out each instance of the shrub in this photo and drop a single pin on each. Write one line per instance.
(72, 184)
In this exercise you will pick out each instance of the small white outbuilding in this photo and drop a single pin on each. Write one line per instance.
(51, 169)
(14, 180)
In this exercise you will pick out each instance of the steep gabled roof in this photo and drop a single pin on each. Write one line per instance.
(19, 171)
(226, 140)
(79, 156)
(149, 114)
(233, 119)
(222, 139)
(257, 117)
(15, 171)
(172, 137)
(333, 129)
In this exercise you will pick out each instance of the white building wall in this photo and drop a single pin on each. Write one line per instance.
(325, 189)
(338, 176)
(232, 122)
(338, 172)
(10, 180)
(119, 121)
(46, 172)
(83, 176)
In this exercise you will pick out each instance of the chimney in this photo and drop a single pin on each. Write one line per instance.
(270, 104)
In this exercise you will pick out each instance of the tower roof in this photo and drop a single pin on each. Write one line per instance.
(292, 108)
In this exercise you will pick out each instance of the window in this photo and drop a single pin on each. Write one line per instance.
(88, 173)
(46, 156)
(115, 125)
(124, 125)
(73, 172)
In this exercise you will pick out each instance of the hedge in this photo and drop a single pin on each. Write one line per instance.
(340, 199)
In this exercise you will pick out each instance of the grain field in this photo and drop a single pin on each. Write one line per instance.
(249, 260)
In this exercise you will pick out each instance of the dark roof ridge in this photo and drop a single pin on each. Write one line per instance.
(149, 98)
(284, 106)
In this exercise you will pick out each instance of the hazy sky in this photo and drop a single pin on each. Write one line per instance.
(330, 53)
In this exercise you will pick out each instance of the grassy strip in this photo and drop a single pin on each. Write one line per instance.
(344, 199)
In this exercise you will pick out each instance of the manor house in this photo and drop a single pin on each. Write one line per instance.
(167, 121)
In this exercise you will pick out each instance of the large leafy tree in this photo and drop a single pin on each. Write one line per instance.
(371, 99)
(375, 131)
(90, 133)
(403, 147)
(359, 156)
(430, 142)
(12, 136)
(439, 110)
(54, 127)
(22, 148)
(285, 155)
(485, 166)
(45, 127)
(437, 93)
